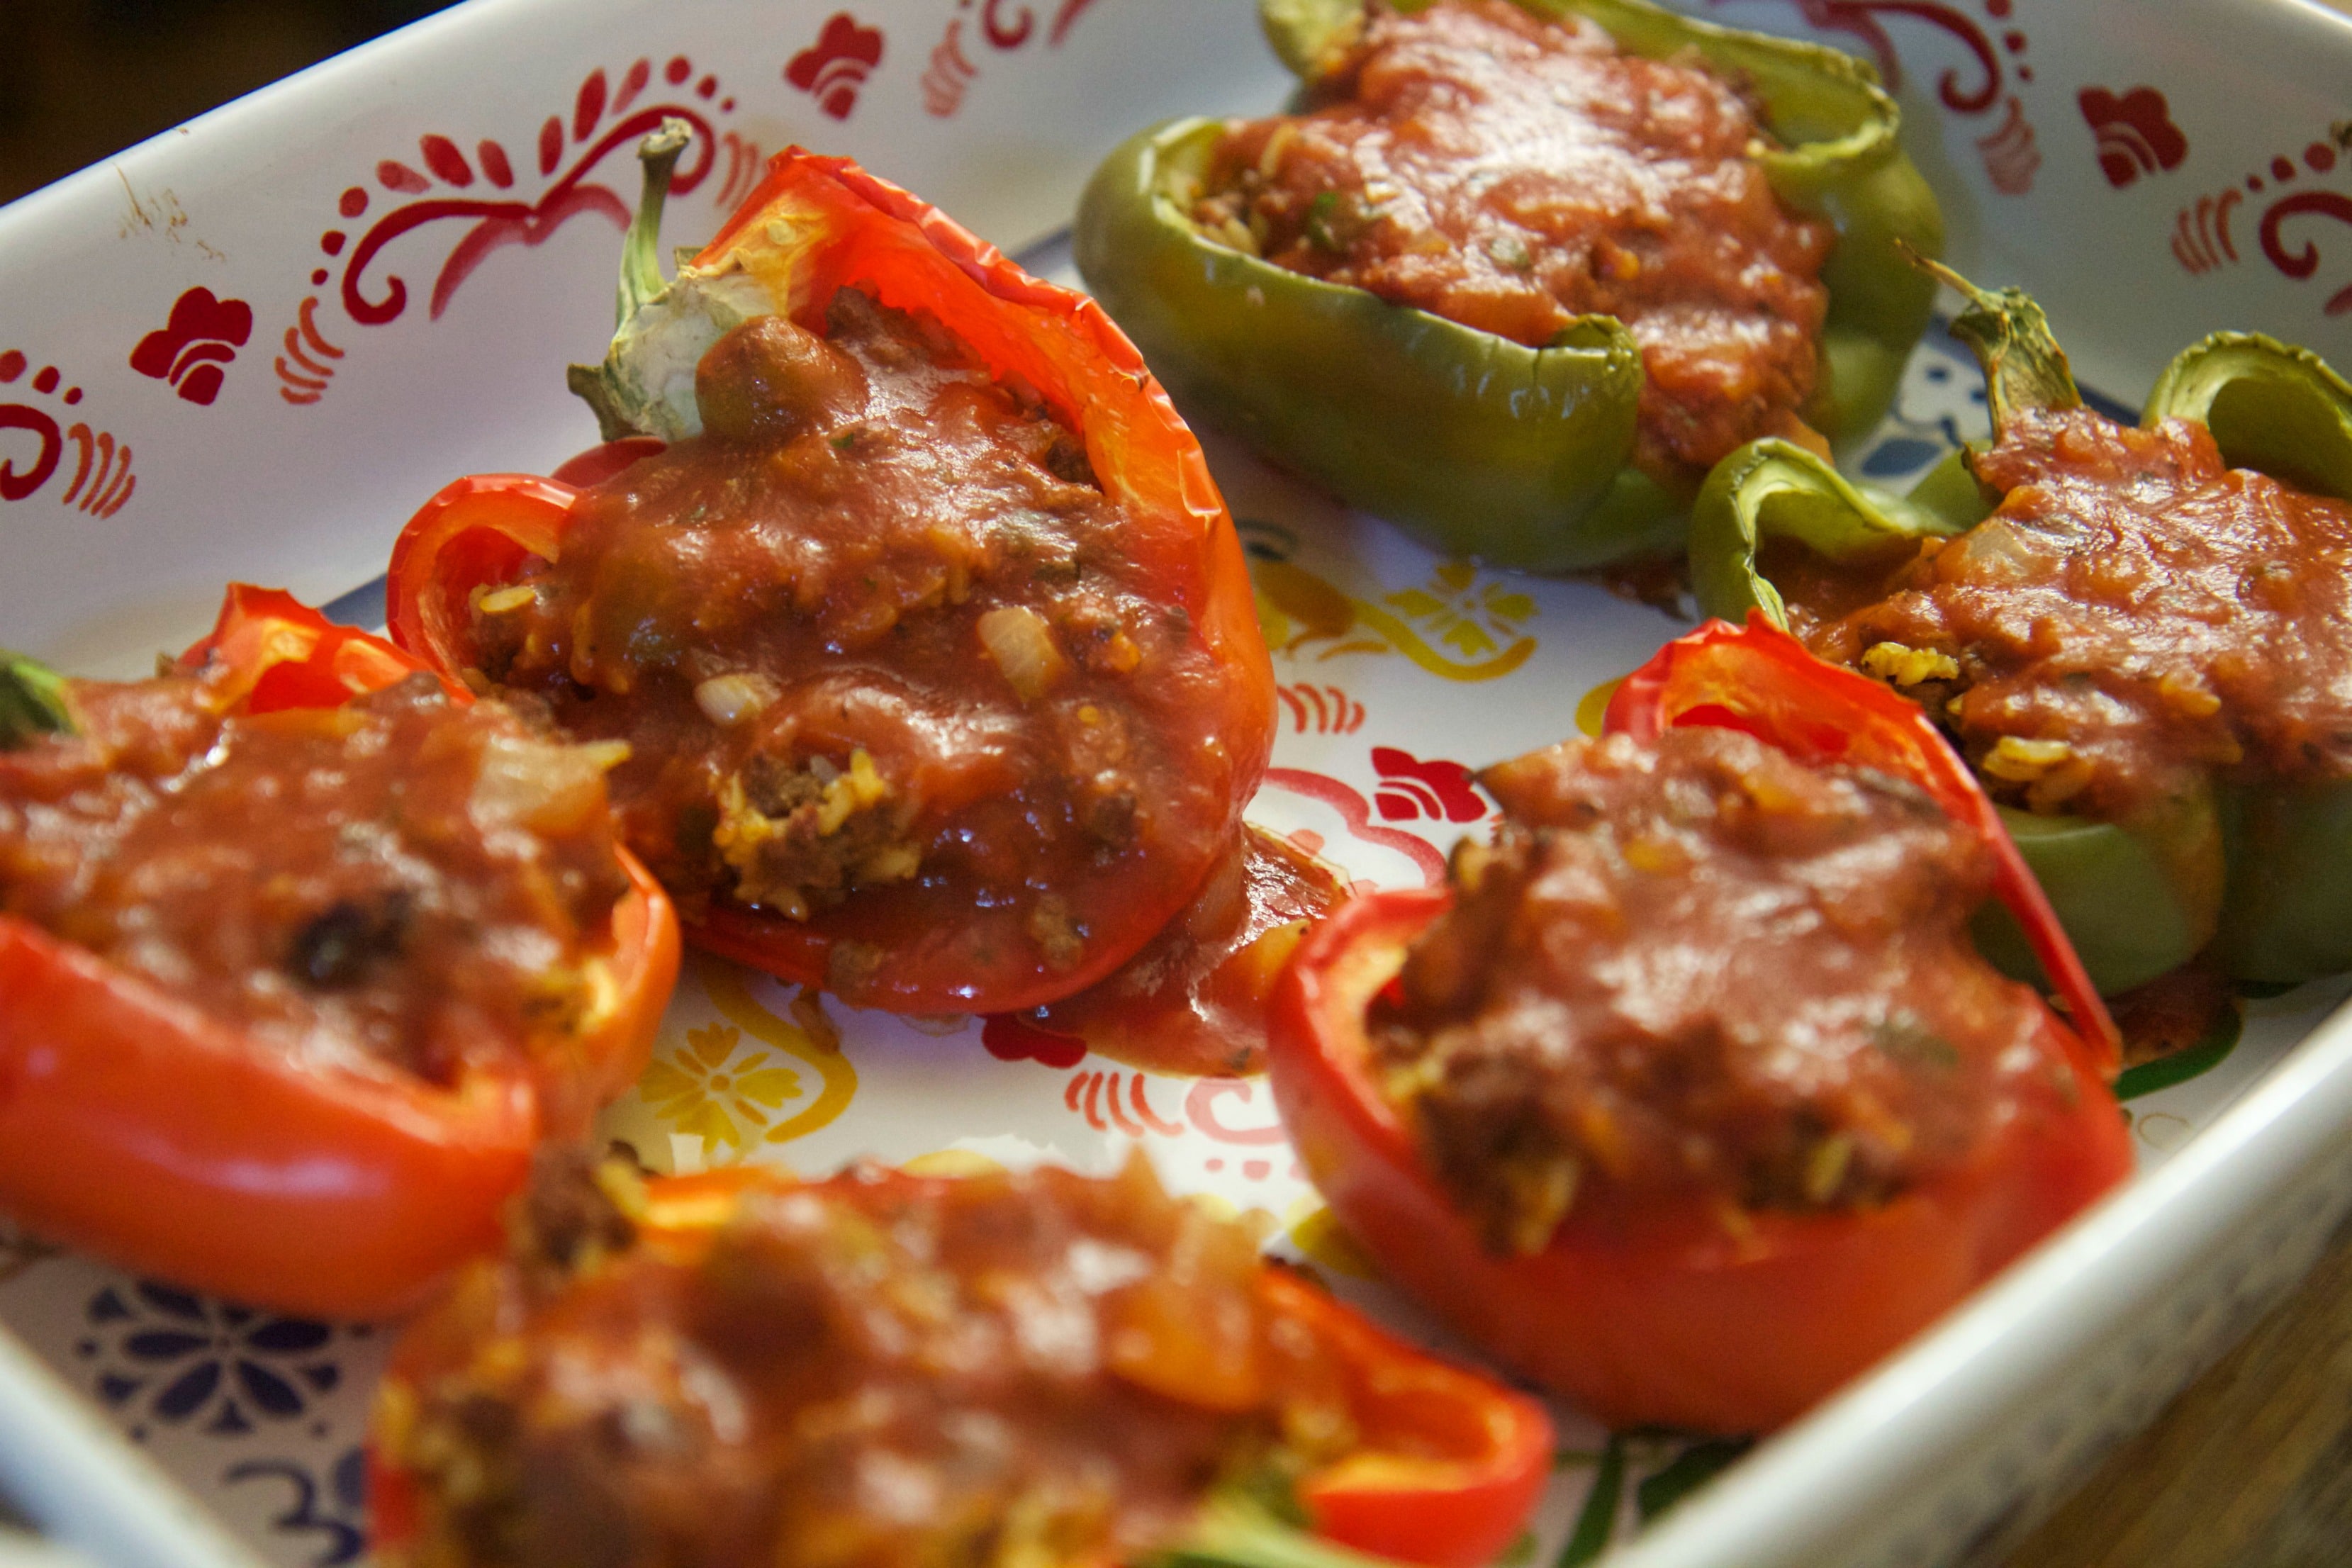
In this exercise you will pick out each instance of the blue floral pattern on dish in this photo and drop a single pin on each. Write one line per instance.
(334, 1514)
(169, 1356)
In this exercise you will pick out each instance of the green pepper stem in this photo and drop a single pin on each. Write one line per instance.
(31, 700)
(2025, 370)
(641, 273)
(1234, 1535)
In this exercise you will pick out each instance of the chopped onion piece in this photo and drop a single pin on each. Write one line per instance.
(729, 699)
(543, 785)
(1018, 639)
(505, 599)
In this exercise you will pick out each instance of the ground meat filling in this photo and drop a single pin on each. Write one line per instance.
(1702, 966)
(398, 881)
(869, 1373)
(1514, 174)
(875, 632)
(2135, 619)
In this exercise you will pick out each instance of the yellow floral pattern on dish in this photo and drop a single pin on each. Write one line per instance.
(1592, 709)
(717, 1089)
(1480, 617)
(1476, 619)
(808, 1036)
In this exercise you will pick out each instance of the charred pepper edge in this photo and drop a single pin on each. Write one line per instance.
(1546, 490)
(2124, 893)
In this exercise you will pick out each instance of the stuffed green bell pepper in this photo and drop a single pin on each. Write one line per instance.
(1522, 271)
(2141, 639)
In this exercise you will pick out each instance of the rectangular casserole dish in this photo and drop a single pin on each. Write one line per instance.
(249, 348)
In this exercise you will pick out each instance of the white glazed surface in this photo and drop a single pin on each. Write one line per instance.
(316, 442)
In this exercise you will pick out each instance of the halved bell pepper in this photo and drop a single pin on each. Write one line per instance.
(1475, 444)
(2263, 873)
(135, 1125)
(1450, 1463)
(816, 224)
(1444, 1468)
(1664, 1312)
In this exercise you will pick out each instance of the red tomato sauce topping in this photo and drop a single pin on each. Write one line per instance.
(875, 1370)
(1513, 174)
(1702, 966)
(1194, 1000)
(2135, 619)
(398, 881)
(886, 657)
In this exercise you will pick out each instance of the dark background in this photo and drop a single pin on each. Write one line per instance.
(82, 79)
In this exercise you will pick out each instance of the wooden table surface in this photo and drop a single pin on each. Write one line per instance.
(2250, 1468)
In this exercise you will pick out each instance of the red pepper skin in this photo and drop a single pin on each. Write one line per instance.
(1451, 1463)
(600, 463)
(136, 1126)
(479, 532)
(1655, 1312)
(1469, 1458)
(269, 650)
(861, 230)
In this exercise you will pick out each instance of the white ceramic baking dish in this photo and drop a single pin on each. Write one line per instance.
(249, 348)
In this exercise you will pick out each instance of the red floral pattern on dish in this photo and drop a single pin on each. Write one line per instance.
(832, 70)
(1412, 789)
(2134, 133)
(194, 347)
(1327, 709)
(2205, 238)
(604, 118)
(1004, 25)
(1978, 84)
(102, 482)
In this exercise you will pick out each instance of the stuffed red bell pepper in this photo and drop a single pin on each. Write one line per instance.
(302, 957)
(884, 1368)
(1692, 1097)
(927, 629)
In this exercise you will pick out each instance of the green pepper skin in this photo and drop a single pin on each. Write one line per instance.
(32, 702)
(1472, 443)
(2286, 913)
(2263, 873)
